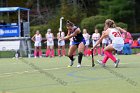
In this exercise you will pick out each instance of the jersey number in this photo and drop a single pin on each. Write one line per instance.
(116, 34)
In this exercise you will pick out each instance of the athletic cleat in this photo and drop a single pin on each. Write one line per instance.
(101, 63)
(35, 57)
(117, 63)
(69, 66)
(71, 63)
(79, 65)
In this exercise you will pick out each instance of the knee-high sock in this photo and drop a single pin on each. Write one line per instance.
(99, 51)
(105, 59)
(71, 58)
(35, 53)
(102, 50)
(85, 52)
(110, 55)
(63, 52)
(47, 52)
(88, 52)
(94, 51)
(40, 53)
(59, 52)
(80, 55)
(52, 53)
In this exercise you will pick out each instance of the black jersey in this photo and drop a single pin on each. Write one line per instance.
(79, 37)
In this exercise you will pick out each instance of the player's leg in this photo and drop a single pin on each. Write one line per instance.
(48, 51)
(52, 51)
(40, 52)
(72, 49)
(35, 52)
(59, 50)
(63, 50)
(81, 48)
(108, 54)
(98, 50)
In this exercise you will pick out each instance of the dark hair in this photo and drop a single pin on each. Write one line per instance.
(69, 23)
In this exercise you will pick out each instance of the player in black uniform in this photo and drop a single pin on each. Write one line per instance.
(78, 42)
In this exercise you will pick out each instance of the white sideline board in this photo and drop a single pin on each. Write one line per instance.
(9, 45)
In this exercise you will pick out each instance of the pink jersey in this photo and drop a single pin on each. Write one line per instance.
(96, 36)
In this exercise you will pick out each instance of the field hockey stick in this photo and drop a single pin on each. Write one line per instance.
(60, 28)
(93, 64)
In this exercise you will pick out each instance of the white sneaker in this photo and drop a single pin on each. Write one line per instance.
(117, 63)
(35, 57)
(40, 56)
(101, 63)
(79, 65)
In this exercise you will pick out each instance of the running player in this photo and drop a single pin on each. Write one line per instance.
(78, 42)
(95, 38)
(37, 38)
(114, 33)
(86, 37)
(50, 43)
(61, 44)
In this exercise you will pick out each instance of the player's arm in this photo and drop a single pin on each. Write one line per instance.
(100, 40)
(68, 34)
(58, 36)
(33, 38)
(72, 35)
(92, 37)
(122, 31)
(52, 36)
(41, 37)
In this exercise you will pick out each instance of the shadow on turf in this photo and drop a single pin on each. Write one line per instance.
(117, 74)
(47, 74)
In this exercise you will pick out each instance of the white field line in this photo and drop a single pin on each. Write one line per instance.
(23, 72)
(32, 71)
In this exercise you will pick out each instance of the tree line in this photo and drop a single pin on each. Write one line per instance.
(84, 13)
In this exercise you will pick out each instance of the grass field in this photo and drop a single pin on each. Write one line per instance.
(51, 75)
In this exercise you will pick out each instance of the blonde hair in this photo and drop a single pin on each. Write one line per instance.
(110, 23)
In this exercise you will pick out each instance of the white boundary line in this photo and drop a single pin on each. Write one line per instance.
(32, 71)
(19, 73)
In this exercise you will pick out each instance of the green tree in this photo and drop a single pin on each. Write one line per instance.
(119, 10)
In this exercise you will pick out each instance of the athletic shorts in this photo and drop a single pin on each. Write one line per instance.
(70, 43)
(61, 43)
(94, 42)
(77, 43)
(50, 43)
(87, 43)
(118, 43)
(104, 41)
(37, 44)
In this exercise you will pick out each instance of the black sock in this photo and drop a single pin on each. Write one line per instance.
(71, 58)
(80, 55)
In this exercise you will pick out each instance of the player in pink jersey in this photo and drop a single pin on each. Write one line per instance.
(61, 52)
(50, 43)
(87, 37)
(37, 38)
(114, 33)
(95, 38)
